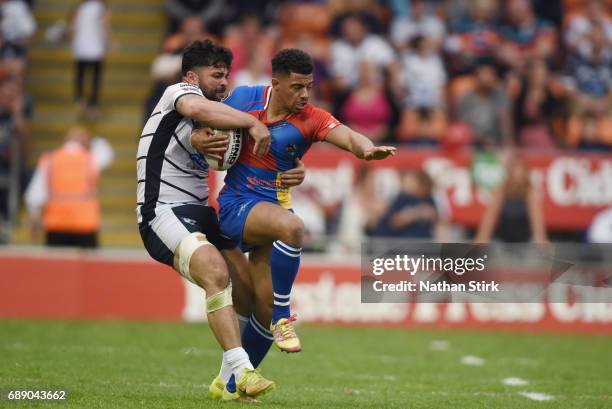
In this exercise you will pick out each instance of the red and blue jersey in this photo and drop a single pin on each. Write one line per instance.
(291, 138)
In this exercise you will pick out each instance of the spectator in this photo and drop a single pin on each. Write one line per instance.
(420, 23)
(524, 36)
(14, 112)
(590, 77)
(10, 51)
(514, 213)
(354, 47)
(472, 37)
(367, 11)
(369, 108)
(413, 212)
(591, 133)
(206, 10)
(256, 72)
(267, 11)
(90, 30)
(534, 107)
(62, 197)
(359, 213)
(192, 29)
(486, 108)
(18, 24)
(241, 37)
(423, 75)
(578, 35)
(422, 127)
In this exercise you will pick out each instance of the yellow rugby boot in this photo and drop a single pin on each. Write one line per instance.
(216, 388)
(252, 384)
(285, 336)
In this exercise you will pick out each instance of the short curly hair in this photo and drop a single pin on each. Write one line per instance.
(206, 54)
(292, 60)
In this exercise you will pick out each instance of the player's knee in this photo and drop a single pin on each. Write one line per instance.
(293, 231)
(209, 270)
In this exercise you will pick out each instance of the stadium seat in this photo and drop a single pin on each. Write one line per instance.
(305, 18)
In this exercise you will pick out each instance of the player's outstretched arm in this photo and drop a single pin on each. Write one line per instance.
(218, 115)
(359, 145)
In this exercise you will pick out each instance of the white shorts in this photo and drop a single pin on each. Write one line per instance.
(172, 223)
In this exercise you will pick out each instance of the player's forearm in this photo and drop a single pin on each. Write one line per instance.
(215, 114)
(345, 138)
(359, 144)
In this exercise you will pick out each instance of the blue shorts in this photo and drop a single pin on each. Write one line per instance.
(234, 210)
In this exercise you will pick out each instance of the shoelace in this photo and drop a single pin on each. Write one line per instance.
(253, 377)
(286, 329)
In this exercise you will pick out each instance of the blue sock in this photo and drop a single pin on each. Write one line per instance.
(256, 341)
(284, 265)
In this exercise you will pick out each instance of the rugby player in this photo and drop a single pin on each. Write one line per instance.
(176, 225)
(255, 207)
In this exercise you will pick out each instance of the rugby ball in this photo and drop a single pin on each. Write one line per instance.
(231, 155)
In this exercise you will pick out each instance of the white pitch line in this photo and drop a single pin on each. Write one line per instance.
(512, 381)
(439, 345)
(472, 360)
(537, 396)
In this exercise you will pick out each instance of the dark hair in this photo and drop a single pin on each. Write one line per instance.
(206, 54)
(417, 41)
(291, 60)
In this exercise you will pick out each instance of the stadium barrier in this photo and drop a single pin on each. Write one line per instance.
(575, 186)
(44, 284)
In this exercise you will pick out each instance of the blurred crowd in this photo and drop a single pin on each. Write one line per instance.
(485, 74)
(427, 74)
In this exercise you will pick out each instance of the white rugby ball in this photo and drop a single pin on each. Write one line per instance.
(231, 155)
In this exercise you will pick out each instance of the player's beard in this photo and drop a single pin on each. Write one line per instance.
(218, 94)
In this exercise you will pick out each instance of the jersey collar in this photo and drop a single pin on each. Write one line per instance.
(267, 95)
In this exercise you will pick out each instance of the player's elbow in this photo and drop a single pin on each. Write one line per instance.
(189, 107)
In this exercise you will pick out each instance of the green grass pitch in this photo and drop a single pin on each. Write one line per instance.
(164, 365)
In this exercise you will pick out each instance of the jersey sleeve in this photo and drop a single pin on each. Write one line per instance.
(244, 97)
(179, 90)
(321, 123)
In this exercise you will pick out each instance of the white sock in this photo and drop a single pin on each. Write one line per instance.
(242, 322)
(237, 359)
(226, 370)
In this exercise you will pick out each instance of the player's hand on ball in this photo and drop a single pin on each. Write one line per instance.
(209, 142)
(261, 134)
(379, 152)
(295, 176)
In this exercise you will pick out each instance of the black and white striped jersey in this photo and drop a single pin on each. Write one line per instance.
(169, 170)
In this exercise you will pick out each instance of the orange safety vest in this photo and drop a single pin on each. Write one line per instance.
(72, 185)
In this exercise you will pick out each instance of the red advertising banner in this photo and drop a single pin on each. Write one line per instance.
(95, 286)
(574, 186)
